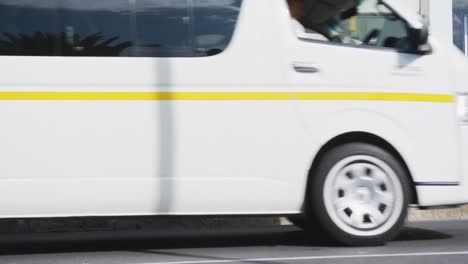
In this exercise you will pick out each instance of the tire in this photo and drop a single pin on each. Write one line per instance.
(300, 221)
(358, 195)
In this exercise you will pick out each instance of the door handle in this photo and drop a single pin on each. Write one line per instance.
(306, 67)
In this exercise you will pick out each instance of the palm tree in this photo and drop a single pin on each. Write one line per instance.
(93, 45)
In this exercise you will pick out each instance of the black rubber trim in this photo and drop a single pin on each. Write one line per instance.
(437, 183)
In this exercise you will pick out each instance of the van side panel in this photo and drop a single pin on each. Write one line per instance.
(70, 148)
(227, 134)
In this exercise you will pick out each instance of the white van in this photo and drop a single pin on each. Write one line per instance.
(218, 107)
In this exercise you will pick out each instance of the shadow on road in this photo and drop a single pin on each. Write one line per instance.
(153, 241)
(415, 234)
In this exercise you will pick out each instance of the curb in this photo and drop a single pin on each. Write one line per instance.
(438, 214)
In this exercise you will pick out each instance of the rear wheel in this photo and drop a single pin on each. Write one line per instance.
(358, 195)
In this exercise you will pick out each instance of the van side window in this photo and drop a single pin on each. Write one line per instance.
(163, 30)
(95, 28)
(116, 28)
(213, 25)
(367, 23)
(28, 28)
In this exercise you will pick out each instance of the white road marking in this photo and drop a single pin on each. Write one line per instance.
(422, 254)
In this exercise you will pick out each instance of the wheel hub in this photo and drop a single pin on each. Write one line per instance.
(363, 195)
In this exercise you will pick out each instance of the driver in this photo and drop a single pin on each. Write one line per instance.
(321, 16)
(324, 16)
(296, 8)
(319, 12)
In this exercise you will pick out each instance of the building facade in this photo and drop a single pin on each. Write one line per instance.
(460, 24)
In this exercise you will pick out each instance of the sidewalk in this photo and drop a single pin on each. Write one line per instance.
(439, 214)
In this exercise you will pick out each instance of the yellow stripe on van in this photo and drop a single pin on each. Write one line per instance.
(408, 97)
(225, 96)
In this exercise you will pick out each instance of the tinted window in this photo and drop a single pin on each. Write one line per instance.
(143, 28)
(214, 23)
(28, 28)
(163, 28)
(95, 28)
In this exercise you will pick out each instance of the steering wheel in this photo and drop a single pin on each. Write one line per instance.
(371, 36)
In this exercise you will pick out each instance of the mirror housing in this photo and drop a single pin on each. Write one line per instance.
(419, 39)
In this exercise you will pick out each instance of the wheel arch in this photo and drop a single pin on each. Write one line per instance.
(363, 137)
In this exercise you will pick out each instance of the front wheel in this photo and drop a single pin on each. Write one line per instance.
(358, 195)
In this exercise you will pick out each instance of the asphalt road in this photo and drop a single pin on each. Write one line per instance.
(424, 242)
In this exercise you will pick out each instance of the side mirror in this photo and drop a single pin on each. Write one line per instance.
(419, 38)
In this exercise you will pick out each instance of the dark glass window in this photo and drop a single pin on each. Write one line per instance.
(213, 25)
(95, 28)
(113, 28)
(28, 28)
(163, 28)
